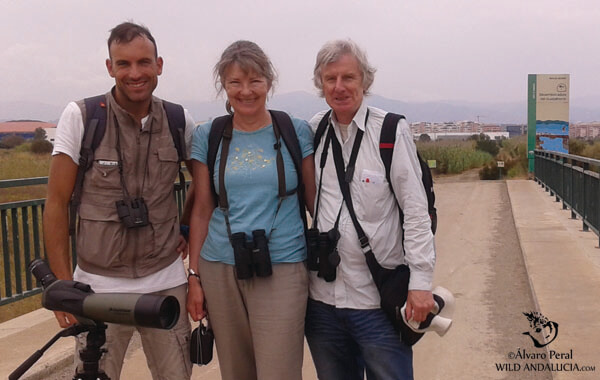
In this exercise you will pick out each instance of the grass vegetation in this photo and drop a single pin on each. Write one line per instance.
(17, 163)
(453, 157)
(585, 148)
(20, 163)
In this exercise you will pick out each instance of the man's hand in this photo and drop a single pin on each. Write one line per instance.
(418, 305)
(195, 300)
(65, 319)
(182, 247)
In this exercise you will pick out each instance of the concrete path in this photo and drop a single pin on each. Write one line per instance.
(504, 249)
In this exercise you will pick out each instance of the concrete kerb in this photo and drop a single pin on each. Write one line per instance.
(527, 269)
(564, 272)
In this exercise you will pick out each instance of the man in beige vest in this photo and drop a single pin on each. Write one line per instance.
(135, 160)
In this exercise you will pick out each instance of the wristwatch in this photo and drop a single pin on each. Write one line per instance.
(191, 273)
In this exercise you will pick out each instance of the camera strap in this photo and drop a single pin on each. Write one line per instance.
(118, 146)
(345, 175)
(322, 166)
(282, 193)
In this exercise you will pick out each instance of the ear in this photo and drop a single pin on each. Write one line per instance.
(109, 67)
(159, 63)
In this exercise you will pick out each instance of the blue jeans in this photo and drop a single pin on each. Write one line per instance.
(344, 341)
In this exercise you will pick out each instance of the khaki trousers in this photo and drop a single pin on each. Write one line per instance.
(167, 351)
(258, 322)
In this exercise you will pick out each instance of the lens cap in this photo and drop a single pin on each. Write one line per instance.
(333, 235)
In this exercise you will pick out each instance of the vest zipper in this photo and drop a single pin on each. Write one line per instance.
(138, 193)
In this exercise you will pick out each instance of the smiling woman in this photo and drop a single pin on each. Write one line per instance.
(250, 251)
(247, 95)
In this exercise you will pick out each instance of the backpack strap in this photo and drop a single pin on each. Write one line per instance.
(321, 129)
(387, 140)
(290, 138)
(214, 140)
(176, 121)
(94, 127)
(176, 118)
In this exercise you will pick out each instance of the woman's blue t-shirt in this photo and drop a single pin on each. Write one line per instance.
(252, 191)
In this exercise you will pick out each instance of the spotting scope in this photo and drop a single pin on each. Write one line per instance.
(77, 298)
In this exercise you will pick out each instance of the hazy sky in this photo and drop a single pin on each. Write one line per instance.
(424, 50)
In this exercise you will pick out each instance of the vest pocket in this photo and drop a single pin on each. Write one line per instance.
(104, 172)
(167, 164)
(100, 244)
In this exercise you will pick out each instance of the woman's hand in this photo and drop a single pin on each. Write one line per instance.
(195, 299)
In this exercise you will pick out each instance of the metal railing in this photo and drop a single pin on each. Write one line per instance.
(575, 181)
(21, 240)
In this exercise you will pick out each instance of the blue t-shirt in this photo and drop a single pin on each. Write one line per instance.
(252, 192)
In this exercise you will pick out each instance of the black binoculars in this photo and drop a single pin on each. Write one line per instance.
(133, 212)
(322, 252)
(251, 256)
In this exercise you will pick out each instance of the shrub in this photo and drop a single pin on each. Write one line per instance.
(41, 147)
(40, 134)
(12, 141)
(489, 171)
(577, 146)
(514, 154)
(488, 145)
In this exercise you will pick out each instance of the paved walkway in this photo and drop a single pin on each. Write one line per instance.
(504, 248)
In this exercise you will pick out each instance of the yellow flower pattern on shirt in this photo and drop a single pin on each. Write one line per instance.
(248, 159)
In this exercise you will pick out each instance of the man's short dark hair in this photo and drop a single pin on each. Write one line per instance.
(127, 31)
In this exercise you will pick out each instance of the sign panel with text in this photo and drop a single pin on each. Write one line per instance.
(548, 113)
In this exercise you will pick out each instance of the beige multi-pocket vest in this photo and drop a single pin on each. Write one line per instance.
(104, 245)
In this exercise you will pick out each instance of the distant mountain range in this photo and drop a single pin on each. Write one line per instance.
(304, 105)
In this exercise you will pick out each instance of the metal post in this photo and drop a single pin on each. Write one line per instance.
(586, 167)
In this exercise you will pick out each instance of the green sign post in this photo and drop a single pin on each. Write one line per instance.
(531, 89)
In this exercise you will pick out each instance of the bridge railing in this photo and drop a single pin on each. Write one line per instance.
(575, 181)
(21, 239)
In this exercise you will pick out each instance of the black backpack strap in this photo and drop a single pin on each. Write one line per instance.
(94, 127)
(427, 179)
(176, 120)
(387, 139)
(290, 138)
(321, 129)
(214, 140)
